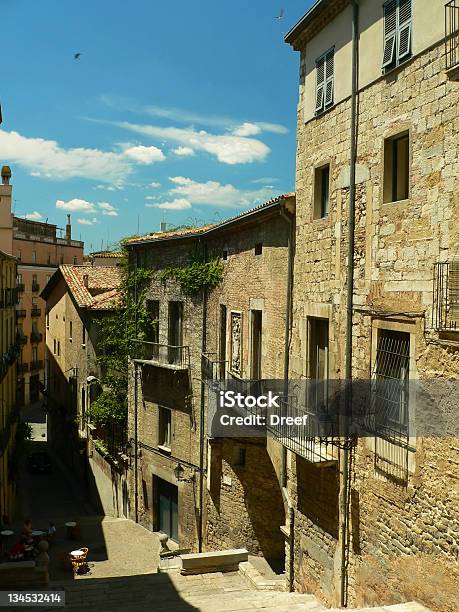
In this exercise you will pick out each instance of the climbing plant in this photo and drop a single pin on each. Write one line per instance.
(197, 275)
(127, 321)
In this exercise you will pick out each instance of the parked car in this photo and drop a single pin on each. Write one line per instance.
(39, 463)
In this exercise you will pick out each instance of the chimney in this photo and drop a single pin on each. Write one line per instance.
(6, 218)
(162, 226)
(68, 230)
(86, 280)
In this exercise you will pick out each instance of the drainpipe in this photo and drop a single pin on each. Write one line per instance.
(288, 320)
(349, 303)
(202, 415)
(136, 443)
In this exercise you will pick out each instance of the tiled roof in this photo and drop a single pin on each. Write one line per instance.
(101, 281)
(106, 300)
(206, 228)
(114, 254)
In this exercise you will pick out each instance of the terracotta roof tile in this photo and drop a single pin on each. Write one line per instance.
(101, 280)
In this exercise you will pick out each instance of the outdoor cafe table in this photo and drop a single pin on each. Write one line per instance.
(6, 535)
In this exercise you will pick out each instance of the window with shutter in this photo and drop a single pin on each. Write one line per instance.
(397, 32)
(404, 29)
(325, 80)
(390, 32)
(320, 69)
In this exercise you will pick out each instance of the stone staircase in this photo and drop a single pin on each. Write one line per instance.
(172, 592)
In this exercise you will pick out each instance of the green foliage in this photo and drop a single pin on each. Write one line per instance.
(196, 276)
(100, 445)
(129, 320)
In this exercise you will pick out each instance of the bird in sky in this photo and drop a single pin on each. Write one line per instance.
(77, 56)
(280, 16)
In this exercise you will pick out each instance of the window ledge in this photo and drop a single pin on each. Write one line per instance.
(164, 449)
(325, 221)
(400, 203)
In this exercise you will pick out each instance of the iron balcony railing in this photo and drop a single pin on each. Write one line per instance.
(20, 314)
(35, 287)
(36, 336)
(36, 365)
(35, 312)
(311, 432)
(22, 367)
(22, 339)
(445, 312)
(212, 368)
(161, 354)
(20, 287)
(9, 297)
(452, 34)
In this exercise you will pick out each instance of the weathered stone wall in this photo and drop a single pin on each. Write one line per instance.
(178, 390)
(404, 533)
(244, 504)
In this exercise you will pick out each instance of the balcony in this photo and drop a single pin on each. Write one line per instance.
(22, 368)
(315, 438)
(20, 287)
(35, 287)
(212, 368)
(445, 312)
(164, 355)
(36, 336)
(22, 339)
(20, 314)
(452, 39)
(35, 312)
(36, 365)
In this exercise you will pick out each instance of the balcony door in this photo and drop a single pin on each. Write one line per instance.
(318, 365)
(222, 344)
(256, 339)
(175, 331)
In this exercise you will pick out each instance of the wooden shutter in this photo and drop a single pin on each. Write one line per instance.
(329, 77)
(404, 29)
(320, 70)
(390, 32)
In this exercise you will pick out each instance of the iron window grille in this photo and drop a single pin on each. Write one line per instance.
(445, 312)
(452, 34)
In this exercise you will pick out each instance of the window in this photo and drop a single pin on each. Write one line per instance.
(256, 343)
(396, 168)
(318, 363)
(34, 354)
(19, 255)
(239, 456)
(397, 32)
(47, 320)
(70, 331)
(34, 302)
(83, 340)
(75, 261)
(259, 248)
(225, 254)
(153, 315)
(54, 347)
(19, 279)
(321, 192)
(34, 256)
(58, 348)
(164, 427)
(325, 69)
(390, 383)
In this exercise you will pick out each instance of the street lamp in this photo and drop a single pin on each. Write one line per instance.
(179, 471)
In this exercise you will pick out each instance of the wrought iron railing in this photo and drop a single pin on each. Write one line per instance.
(35, 287)
(36, 336)
(35, 312)
(36, 365)
(310, 433)
(445, 312)
(212, 368)
(161, 354)
(452, 34)
(20, 314)
(22, 368)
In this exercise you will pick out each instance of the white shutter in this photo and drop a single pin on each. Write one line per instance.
(390, 32)
(404, 29)
(320, 70)
(329, 77)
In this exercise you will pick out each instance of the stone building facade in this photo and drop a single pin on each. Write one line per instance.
(76, 299)
(9, 350)
(379, 522)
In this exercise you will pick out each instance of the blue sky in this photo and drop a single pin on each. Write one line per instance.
(181, 112)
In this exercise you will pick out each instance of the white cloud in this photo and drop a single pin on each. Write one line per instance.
(154, 184)
(183, 151)
(214, 193)
(46, 158)
(76, 205)
(227, 148)
(180, 115)
(247, 129)
(108, 209)
(34, 216)
(152, 197)
(177, 204)
(144, 155)
(87, 221)
(265, 179)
